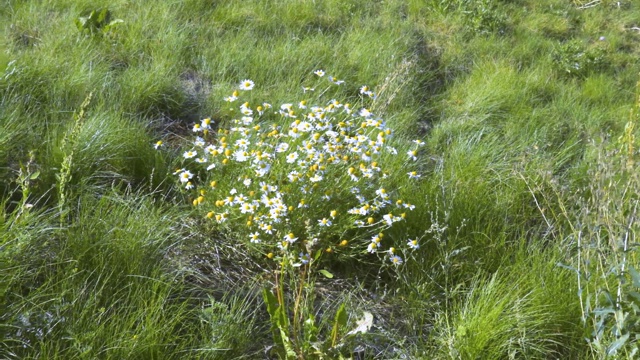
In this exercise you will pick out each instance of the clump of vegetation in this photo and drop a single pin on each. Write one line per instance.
(97, 23)
(574, 59)
(303, 185)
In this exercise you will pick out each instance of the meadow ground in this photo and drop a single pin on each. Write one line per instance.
(496, 158)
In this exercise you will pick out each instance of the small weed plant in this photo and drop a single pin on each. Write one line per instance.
(97, 23)
(575, 59)
(304, 185)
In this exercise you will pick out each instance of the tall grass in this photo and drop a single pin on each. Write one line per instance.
(520, 104)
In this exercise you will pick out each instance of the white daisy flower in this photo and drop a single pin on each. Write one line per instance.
(206, 123)
(282, 147)
(291, 158)
(365, 113)
(240, 155)
(255, 237)
(246, 84)
(185, 176)
(413, 175)
(319, 73)
(397, 260)
(336, 81)
(199, 142)
(290, 238)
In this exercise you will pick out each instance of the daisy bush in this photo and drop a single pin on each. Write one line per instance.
(296, 180)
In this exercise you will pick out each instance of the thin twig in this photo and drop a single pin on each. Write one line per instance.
(536, 201)
(590, 4)
(584, 315)
(624, 253)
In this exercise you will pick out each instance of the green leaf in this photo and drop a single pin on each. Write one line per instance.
(102, 17)
(272, 309)
(603, 311)
(339, 321)
(310, 329)
(613, 348)
(34, 175)
(80, 23)
(272, 303)
(326, 274)
(635, 276)
(286, 343)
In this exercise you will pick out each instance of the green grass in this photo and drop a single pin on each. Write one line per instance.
(522, 105)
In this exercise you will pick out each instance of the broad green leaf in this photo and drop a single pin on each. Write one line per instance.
(310, 329)
(339, 321)
(34, 175)
(326, 274)
(603, 311)
(271, 301)
(102, 17)
(286, 343)
(613, 348)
